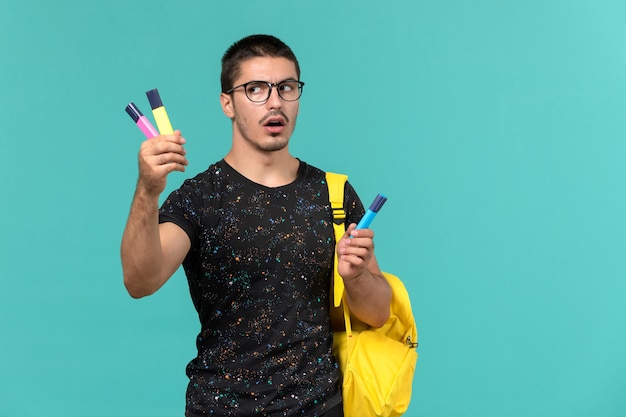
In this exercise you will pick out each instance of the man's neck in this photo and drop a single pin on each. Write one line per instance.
(271, 169)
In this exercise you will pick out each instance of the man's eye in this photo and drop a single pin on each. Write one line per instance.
(255, 88)
(287, 87)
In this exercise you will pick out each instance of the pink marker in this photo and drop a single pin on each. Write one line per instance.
(142, 122)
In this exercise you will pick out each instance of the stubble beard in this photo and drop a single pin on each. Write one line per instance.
(267, 143)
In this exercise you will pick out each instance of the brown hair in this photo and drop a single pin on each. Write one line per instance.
(252, 46)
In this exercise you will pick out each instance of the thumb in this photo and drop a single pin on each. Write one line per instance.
(349, 230)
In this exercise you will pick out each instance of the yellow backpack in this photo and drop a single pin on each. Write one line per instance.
(377, 364)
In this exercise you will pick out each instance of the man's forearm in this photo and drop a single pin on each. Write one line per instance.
(369, 298)
(141, 247)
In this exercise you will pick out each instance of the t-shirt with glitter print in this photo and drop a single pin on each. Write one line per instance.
(259, 272)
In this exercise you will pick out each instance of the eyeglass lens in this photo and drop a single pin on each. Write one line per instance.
(260, 91)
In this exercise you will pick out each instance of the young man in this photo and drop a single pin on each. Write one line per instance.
(254, 235)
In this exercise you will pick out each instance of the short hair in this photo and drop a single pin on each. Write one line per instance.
(252, 46)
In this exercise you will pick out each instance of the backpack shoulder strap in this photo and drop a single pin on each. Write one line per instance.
(336, 185)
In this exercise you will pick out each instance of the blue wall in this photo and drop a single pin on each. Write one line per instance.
(496, 129)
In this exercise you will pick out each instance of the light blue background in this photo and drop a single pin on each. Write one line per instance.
(496, 128)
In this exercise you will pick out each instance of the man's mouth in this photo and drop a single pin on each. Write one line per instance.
(274, 124)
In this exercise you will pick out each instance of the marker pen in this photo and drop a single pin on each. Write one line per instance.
(371, 212)
(158, 110)
(142, 122)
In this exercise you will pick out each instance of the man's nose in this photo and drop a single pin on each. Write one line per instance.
(274, 101)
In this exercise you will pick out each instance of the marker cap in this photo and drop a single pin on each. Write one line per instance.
(154, 98)
(378, 203)
(133, 112)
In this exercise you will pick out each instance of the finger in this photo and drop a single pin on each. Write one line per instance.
(159, 172)
(152, 158)
(358, 246)
(170, 157)
(173, 166)
(152, 162)
(168, 146)
(353, 261)
(350, 229)
(366, 233)
(359, 240)
(176, 137)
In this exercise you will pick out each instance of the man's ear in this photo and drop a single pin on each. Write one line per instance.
(227, 105)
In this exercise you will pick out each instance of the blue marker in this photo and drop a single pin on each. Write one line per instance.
(371, 212)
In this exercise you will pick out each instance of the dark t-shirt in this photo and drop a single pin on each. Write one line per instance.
(259, 272)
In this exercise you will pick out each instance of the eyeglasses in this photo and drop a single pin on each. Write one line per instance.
(260, 91)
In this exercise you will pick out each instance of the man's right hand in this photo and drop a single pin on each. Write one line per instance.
(157, 158)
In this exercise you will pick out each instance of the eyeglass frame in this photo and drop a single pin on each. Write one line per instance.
(271, 85)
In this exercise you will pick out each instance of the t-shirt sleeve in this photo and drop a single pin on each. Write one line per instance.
(179, 208)
(353, 205)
